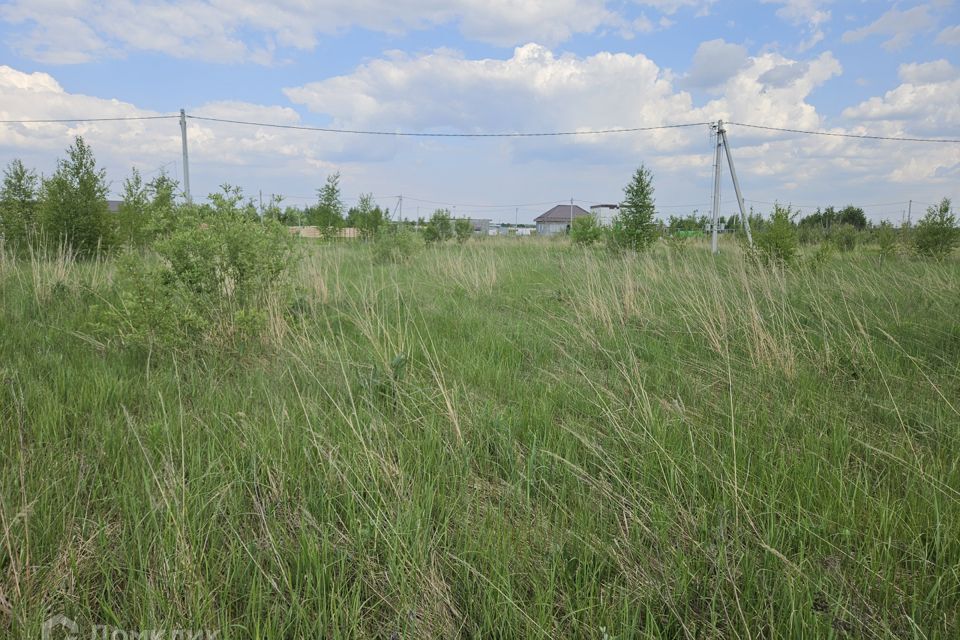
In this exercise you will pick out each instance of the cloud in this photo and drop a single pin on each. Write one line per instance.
(926, 102)
(147, 144)
(532, 89)
(901, 26)
(669, 7)
(714, 63)
(75, 31)
(805, 12)
(927, 72)
(950, 35)
(783, 75)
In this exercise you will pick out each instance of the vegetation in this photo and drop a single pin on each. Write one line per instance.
(462, 229)
(439, 228)
(327, 214)
(504, 439)
(367, 217)
(74, 203)
(18, 207)
(636, 228)
(936, 234)
(586, 231)
(776, 242)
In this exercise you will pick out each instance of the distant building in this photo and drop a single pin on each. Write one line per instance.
(605, 213)
(113, 206)
(558, 219)
(481, 226)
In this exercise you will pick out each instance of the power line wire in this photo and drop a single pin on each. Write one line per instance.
(480, 135)
(448, 135)
(844, 135)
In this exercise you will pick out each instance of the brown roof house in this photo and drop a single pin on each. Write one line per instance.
(558, 219)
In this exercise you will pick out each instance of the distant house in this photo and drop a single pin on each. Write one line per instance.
(558, 219)
(605, 213)
(113, 206)
(481, 226)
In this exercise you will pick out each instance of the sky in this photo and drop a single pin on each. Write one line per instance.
(480, 66)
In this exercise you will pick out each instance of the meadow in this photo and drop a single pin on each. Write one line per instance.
(509, 438)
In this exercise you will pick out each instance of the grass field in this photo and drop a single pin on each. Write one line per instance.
(509, 439)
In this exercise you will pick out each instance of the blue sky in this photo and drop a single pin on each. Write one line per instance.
(498, 65)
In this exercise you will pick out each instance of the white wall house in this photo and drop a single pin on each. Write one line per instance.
(605, 213)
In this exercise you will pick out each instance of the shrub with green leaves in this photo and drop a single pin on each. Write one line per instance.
(776, 241)
(395, 245)
(18, 207)
(440, 226)
(462, 229)
(936, 235)
(208, 285)
(585, 230)
(844, 237)
(74, 209)
(886, 238)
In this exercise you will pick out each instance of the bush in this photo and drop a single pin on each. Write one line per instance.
(936, 235)
(585, 230)
(208, 285)
(18, 207)
(463, 229)
(439, 228)
(395, 245)
(844, 237)
(776, 242)
(886, 240)
(74, 209)
(146, 211)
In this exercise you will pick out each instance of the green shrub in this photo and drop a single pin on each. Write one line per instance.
(585, 230)
(395, 245)
(439, 228)
(207, 286)
(936, 235)
(18, 207)
(462, 229)
(776, 242)
(844, 237)
(74, 209)
(886, 238)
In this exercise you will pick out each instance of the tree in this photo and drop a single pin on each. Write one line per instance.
(74, 207)
(936, 234)
(887, 240)
(439, 228)
(777, 240)
(131, 217)
(853, 216)
(18, 206)
(367, 217)
(463, 229)
(327, 214)
(585, 230)
(637, 229)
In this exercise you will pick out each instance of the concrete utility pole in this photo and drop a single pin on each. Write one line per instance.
(909, 211)
(716, 191)
(736, 183)
(571, 216)
(186, 158)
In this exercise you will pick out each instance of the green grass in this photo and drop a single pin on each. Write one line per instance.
(510, 439)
